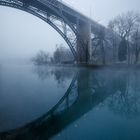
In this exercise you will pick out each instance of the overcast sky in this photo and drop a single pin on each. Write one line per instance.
(104, 10)
(22, 35)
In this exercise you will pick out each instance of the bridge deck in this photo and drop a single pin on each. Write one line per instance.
(72, 14)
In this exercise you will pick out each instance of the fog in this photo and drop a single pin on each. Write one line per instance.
(104, 10)
(22, 35)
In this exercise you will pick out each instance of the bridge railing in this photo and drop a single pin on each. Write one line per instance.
(60, 4)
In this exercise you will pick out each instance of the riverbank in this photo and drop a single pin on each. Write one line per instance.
(94, 66)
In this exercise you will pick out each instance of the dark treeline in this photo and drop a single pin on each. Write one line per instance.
(127, 47)
(61, 55)
(118, 43)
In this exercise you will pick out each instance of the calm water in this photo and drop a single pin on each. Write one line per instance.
(40, 102)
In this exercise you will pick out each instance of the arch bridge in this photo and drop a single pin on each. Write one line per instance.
(75, 28)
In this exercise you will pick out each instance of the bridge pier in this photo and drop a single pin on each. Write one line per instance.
(84, 48)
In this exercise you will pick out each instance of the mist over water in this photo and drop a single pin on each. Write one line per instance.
(23, 35)
(102, 103)
(27, 92)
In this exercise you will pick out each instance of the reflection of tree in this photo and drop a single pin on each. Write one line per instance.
(126, 101)
(43, 72)
(103, 84)
(119, 90)
(61, 75)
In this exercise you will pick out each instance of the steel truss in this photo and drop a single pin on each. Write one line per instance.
(60, 23)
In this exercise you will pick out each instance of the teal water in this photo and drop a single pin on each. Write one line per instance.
(64, 103)
(27, 92)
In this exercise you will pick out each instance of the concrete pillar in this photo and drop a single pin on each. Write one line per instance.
(84, 40)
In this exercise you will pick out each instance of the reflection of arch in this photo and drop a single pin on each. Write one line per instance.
(63, 104)
(56, 15)
(84, 97)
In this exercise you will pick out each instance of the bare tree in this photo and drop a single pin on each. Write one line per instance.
(136, 44)
(41, 58)
(124, 25)
(114, 40)
(62, 54)
(102, 45)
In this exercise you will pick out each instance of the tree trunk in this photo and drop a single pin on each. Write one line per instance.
(128, 53)
(136, 57)
(103, 53)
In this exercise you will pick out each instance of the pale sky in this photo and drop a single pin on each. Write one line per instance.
(23, 35)
(104, 10)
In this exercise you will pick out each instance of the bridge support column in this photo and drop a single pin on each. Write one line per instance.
(84, 48)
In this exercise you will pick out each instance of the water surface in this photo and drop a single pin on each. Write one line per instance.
(27, 92)
(86, 104)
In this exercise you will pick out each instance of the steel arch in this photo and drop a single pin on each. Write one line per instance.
(43, 15)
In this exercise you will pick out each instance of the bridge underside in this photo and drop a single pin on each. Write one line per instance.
(76, 32)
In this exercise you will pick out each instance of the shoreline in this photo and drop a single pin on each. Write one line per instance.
(93, 66)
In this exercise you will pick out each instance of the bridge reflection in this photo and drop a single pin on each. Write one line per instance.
(87, 90)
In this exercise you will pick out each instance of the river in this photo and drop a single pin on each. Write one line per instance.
(69, 103)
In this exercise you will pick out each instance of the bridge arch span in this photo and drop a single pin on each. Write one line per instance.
(52, 22)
